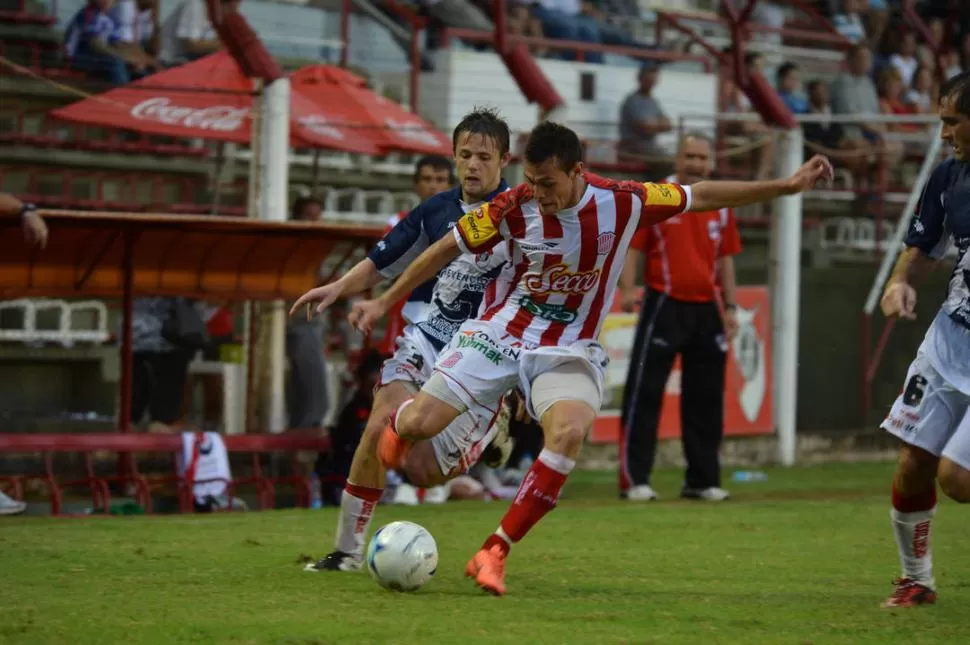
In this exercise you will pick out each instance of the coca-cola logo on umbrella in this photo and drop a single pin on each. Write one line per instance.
(224, 118)
(320, 126)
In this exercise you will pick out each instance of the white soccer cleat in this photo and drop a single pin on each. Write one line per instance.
(10, 506)
(710, 494)
(642, 493)
(436, 495)
(405, 494)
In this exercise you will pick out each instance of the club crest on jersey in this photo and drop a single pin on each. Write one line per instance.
(604, 243)
(450, 361)
(559, 279)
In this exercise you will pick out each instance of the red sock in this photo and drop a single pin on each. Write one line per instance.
(921, 502)
(537, 495)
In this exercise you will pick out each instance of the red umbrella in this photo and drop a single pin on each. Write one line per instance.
(210, 99)
(389, 124)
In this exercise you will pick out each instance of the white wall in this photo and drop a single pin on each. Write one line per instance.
(465, 79)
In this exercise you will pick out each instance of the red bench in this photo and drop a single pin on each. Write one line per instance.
(127, 445)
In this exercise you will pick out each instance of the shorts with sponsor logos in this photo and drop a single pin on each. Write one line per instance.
(483, 362)
(460, 445)
(412, 361)
(932, 414)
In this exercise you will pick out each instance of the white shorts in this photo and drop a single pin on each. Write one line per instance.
(482, 363)
(461, 444)
(412, 361)
(931, 414)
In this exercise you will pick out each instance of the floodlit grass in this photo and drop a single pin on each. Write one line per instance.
(802, 558)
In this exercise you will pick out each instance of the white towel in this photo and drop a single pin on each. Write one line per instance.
(204, 457)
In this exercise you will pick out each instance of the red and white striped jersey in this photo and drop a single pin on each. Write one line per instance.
(566, 266)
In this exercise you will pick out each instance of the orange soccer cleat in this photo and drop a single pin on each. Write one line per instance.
(910, 593)
(392, 450)
(488, 570)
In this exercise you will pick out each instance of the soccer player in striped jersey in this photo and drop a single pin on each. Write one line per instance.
(569, 232)
(446, 300)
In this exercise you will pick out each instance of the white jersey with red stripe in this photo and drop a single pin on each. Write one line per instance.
(566, 266)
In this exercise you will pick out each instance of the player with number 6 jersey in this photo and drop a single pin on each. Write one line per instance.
(569, 232)
(932, 414)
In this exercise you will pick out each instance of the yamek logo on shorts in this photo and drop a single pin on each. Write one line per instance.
(559, 279)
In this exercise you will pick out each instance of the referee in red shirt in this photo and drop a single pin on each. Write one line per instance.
(686, 259)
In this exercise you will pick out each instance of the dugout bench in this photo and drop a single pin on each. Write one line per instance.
(126, 445)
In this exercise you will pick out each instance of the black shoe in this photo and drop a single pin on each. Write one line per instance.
(337, 561)
(498, 451)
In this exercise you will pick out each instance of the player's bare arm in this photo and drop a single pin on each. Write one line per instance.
(714, 195)
(426, 266)
(362, 277)
(899, 296)
(35, 229)
(628, 295)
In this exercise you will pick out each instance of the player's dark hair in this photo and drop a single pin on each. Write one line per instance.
(548, 140)
(487, 123)
(435, 162)
(957, 89)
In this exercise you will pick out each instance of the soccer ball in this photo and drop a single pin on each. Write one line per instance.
(402, 556)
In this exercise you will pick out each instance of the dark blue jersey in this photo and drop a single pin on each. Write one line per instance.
(421, 228)
(944, 214)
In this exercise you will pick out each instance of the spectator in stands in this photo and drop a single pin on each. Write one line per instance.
(768, 14)
(35, 229)
(521, 22)
(90, 43)
(849, 22)
(137, 31)
(563, 20)
(890, 88)
(642, 119)
(187, 33)
(790, 88)
(854, 93)
(307, 395)
(754, 135)
(613, 20)
(922, 95)
(135, 25)
(904, 60)
(830, 138)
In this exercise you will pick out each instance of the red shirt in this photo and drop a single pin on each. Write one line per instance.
(682, 253)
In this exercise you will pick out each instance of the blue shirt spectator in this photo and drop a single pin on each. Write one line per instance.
(88, 41)
(790, 88)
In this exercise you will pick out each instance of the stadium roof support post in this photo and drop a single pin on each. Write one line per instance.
(274, 195)
(786, 233)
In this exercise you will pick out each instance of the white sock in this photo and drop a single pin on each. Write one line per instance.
(912, 532)
(355, 517)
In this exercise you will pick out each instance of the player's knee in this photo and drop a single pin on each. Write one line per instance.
(566, 424)
(428, 413)
(955, 481)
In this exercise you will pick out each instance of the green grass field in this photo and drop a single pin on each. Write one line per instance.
(803, 558)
